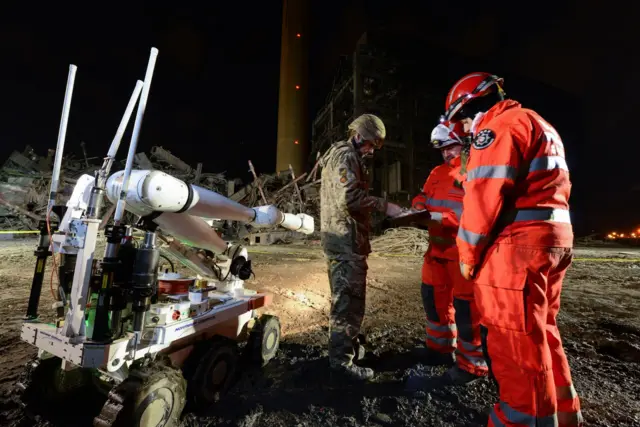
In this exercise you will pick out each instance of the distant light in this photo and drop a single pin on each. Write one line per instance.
(295, 142)
(297, 87)
(622, 235)
(298, 35)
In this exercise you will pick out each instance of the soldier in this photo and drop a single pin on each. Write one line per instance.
(345, 223)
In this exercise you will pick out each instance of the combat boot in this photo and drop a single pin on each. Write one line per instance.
(351, 373)
(457, 376)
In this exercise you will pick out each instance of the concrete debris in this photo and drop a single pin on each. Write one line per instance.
(24, 186)
(290, 193)
(25, 181)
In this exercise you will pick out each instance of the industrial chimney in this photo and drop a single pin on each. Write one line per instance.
(293, 139)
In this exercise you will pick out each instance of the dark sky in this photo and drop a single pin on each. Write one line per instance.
(214, 94)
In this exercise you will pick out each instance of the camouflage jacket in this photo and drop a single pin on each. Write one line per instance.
(345, 205)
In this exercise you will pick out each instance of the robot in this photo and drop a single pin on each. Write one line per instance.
(150, 350)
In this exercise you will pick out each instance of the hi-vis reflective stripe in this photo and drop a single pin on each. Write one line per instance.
(444, 342)
(451, 327)
(509, 172)
(470, 237)
(548, 163)
(449, 204)
(517, 417)
(566, 392)
(554, 215)
(495, 172)
(470, 347)
(477, 361)
(570, 419)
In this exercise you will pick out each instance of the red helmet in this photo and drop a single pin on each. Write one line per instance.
(448, 133)
(471, 86)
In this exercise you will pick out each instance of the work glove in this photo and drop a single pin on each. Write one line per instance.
(393, 210)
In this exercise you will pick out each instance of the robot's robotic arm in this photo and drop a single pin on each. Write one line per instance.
(179, 208)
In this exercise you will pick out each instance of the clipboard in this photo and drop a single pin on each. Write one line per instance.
(411, 218)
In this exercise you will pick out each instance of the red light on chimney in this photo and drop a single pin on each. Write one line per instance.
(297, 87)
(295, 142)
(298, 35)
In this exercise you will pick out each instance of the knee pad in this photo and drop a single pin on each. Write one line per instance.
(429, 302)
(463, 319)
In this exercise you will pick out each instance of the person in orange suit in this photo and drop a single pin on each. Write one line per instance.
(453, 321)
(515, 239)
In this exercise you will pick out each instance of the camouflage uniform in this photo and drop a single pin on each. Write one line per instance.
(345, 224)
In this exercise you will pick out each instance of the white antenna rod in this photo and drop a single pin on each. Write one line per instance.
(134, 137)
(62, 133)
(115, 144)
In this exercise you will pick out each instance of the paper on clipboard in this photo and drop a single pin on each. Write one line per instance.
(411, 216)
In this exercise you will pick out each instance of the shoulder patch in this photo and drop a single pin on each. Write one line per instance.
(483, 139)
(344, 175)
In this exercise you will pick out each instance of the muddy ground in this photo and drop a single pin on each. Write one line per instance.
(599, 321)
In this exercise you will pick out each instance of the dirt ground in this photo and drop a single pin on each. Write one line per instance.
(599, 320)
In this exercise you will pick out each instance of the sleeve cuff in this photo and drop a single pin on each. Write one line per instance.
(468, 261)
(465, 256)
(437, 217)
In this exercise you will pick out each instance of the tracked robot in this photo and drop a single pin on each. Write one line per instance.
(150, 349)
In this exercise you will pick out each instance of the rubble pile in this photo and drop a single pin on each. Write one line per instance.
(289, 194)
(25, 180)
(401, 240)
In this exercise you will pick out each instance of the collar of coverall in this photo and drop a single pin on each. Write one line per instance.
(455, 162)
(495, 111)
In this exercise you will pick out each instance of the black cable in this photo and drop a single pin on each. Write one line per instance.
(173, 268)
(232, 258)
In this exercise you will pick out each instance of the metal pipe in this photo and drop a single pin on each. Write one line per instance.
(142, 105)
(62, 133)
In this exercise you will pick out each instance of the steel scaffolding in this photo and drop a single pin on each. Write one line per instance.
(379, 79)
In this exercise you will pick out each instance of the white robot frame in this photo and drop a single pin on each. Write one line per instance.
(170, 210)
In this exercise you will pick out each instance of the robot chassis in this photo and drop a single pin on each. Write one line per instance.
(150, 351)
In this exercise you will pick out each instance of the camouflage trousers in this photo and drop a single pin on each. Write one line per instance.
(348, 281)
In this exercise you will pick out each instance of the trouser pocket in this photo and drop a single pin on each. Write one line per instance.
(501, 290)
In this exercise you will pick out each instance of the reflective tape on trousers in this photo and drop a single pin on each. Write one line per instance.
(553, 215)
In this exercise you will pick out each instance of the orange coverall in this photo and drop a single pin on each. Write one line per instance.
(453, 320)
(517, 231)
